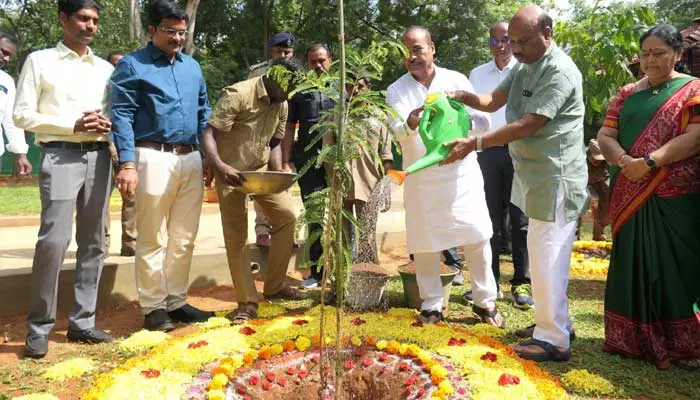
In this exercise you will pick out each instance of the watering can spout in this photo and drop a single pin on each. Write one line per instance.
(443, 120)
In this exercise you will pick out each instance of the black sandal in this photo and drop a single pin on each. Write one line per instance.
(243, 314)
(430, 317)
(551, 352)
(485, 315)
(527, 333)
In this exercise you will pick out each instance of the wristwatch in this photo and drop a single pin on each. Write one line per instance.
(478, 144)
(650, 162)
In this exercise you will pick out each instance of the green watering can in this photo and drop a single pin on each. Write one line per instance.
(444, 119)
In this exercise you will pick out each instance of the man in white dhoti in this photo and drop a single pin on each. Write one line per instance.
(445, 206)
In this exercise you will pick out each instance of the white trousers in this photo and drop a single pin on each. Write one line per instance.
(477, 257)
(549, 245)
(168, 205)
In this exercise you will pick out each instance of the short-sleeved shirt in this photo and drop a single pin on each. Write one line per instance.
(247, 121)
(307, 108)
(554, 158)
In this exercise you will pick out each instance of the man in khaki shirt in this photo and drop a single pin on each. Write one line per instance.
(244, 134)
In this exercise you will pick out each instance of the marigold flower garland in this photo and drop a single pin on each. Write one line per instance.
(590, 259)
(72, 368)
(581, 380)
(169, 369)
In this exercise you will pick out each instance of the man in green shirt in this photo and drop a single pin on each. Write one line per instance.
(545, 110)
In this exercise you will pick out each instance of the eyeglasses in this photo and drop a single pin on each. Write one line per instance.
(493, 42)
(173, 32)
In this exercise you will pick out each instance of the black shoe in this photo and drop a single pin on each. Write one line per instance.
(158, 320)
(36, 346)
(188, 314)
(91, 335)
(127, 252)
(468, 296)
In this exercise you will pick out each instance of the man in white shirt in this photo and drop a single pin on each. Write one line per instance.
(497, 168)
(445, 206)
(15, 136)
(60, 98)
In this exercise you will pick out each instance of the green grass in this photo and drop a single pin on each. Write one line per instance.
(24, 200)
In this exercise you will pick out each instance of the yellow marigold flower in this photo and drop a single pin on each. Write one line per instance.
(446, 387)
(288, 345)
(403, 349)
(223, 368)
(72, 368)
(270, 310)
(36, 396)
(219, 381)
(214, 323)
(393, 347)
(303, 343)
(438, 373)
(216, 394)
(424, 356)
(412, 350)
(356, 341)
(143, 340)
(249, 357)
(277, 349)
(381, 345)
(265, 352)
(583, 381)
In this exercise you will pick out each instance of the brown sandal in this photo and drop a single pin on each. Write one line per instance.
(244, 313)
(288, 293)
(489, 317)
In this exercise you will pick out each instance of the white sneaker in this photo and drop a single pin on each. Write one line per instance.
(310, 283)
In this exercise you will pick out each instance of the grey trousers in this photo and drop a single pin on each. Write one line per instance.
(69, 180)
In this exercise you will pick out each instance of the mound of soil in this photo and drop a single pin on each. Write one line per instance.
(410, 268)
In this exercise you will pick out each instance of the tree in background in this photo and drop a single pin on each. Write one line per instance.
(679, 13)
(603, 41)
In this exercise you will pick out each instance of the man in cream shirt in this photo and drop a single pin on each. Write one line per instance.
(497, 168)
(15, 136)
(60, 98)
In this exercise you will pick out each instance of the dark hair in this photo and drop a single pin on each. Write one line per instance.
(545, 21)
(317, 46)
(114, 53)
(291, 64)
(5, 35)
(418, 28)
(670, 35)
(158, 10)
(69, 7)
(683, 68)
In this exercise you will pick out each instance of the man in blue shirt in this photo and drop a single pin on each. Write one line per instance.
(159, 109)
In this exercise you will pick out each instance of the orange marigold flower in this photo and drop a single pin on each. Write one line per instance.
(288, 345)
(370, 341)
(265, 352)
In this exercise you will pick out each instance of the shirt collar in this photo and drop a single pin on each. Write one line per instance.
(260, 90)
(508, 66)
(157, 53)
(64, 51)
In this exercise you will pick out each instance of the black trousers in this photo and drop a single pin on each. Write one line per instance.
(497, 169)
(313, 181)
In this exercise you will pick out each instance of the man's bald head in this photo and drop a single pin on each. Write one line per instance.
(530, 31)
(421, 49)
(498, 26)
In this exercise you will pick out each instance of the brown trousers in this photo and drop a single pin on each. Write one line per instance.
(233, 205)
(128, 224)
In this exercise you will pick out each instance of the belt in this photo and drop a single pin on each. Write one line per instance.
(81, 146)
(169, 148)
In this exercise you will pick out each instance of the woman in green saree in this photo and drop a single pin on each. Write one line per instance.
(651, 138)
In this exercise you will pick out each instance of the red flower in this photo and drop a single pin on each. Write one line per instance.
(246, 330)
(241, 389)
(195, 345)
(282, 381)
(421, 393)
(150, 373)
(366, 362)
(383, 356)
(300, 322)
(382, 371)
(456, 342)
(489, 356)
(417, 324)
(246, 397)
(411, 380)
(254, 380)
(507, 379)
(404, 366)
(270, 376)
(316, 358)
(347, 365)
(303, 373)
(266, 386)
(360, 352)
(358, 321)
(291, 371)
(408, 391)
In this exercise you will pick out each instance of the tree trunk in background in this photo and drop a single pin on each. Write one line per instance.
(192, 12)
(135, 25)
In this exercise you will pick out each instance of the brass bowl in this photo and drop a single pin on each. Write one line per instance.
(266, 182)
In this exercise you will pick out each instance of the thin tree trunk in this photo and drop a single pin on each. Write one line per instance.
(192, 6)
(135, 25)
